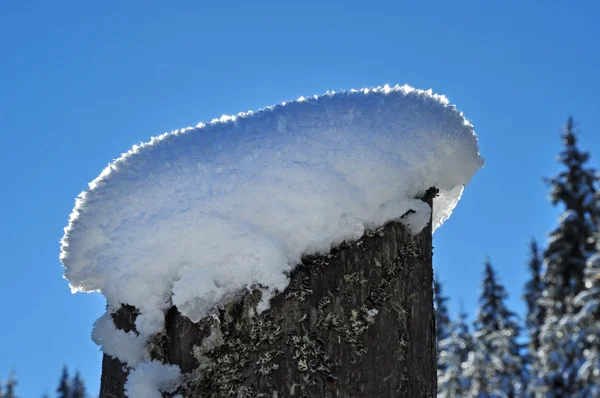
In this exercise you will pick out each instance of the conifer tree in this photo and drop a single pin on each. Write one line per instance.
(465, 336)
(533, 291)
(11, 385)
(535, 314)
(572, 242)
(78, 387)
(64, 386)
(588, 327)
(454, 351)
(495, 366)
(569, 246)
(442, 319)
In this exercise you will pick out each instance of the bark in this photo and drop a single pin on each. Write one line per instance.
(112, 381)
(358, 322)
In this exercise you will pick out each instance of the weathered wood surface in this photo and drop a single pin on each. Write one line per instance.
(358, 322)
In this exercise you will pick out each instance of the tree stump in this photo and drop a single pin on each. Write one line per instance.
(358, 322)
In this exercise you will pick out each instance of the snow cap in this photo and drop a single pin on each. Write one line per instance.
(194, 216)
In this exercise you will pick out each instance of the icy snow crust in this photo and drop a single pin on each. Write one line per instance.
(197, 215)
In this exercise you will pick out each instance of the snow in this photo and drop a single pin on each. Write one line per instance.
(115, 342)
(148, 379)
(193, 217)
(452, 367)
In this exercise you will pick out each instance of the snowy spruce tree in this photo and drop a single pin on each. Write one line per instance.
(453, 354)
(533, 291)
(443, 325)
(573, 241)
(495, 365)
(587, 337)
(535, 313)
(569, 247)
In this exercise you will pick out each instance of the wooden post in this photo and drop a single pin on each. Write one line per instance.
(358, 322)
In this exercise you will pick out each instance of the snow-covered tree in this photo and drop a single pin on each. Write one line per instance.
(442, 318)
(588, 336)
(572, 242)
(495, 365)
(570, 246)
(535, 313)
(453, 353)
(533, 291)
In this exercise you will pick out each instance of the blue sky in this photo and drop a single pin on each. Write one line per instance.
(81, 82)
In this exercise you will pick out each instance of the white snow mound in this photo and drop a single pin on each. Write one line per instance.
(150, 378)
(194, 216)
